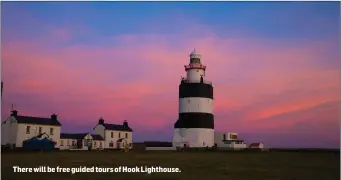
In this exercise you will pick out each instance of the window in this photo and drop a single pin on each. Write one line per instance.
(51, 131)
(126, 135)
(233, 136)
(119, 135)
(28, 128)
(224, 137)
(100, 143)
(112, 134)
(111, 144)
(61, 142)
(68, 142)
(94, 143)
(40, 130)
(129, 144)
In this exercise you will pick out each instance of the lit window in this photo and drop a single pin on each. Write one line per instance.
(61, 142)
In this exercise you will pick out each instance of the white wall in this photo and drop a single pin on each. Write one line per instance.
(95, 143)
(194, 75)
(63, 144)
(219, 136)
(99, 129)
(194, 137)
(106, 134)
(109, 139)
(9, 131)
(196, 104)
(34, 131)
(233, 146)
(177, 140)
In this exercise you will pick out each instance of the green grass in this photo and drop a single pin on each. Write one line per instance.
(193, 165)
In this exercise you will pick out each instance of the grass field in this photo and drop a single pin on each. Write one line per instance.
(193, 165)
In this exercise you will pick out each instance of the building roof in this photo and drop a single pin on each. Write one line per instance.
(79, 136)
(255, 144)
(97, 137)
(117, 127)
(120, 140)
(37, 120)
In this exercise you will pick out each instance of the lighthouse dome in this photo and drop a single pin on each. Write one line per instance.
(195, 55)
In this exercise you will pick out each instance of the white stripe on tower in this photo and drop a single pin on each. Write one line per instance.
(196, 105)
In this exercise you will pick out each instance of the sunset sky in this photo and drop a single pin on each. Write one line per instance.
(275, 67)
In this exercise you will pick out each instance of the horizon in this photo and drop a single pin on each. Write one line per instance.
(275, 66)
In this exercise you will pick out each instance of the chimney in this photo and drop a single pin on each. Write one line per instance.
(14, 113)
(101, 121)
(125, 123)
(54, 117)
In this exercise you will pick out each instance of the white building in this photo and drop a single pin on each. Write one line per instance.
(116, 136)
(81, 141)
(195, 124)
(228, 140)
(17, 129)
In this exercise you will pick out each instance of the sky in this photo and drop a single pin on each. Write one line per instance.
(275, 66)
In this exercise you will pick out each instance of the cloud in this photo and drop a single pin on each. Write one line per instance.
(136, 77)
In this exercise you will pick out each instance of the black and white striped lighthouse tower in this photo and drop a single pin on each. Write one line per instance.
(195, 125)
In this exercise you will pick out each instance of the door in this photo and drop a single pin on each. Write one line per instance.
(79, 143)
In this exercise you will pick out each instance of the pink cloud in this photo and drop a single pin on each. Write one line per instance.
(255, 80)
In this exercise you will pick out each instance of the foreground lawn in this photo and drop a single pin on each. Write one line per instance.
(193, 166)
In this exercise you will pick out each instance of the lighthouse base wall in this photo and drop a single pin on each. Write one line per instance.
(193, 137)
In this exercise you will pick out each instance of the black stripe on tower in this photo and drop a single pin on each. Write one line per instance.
(195, 120)
(195, 90)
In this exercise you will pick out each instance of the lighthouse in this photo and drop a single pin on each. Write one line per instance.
(195, 124)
